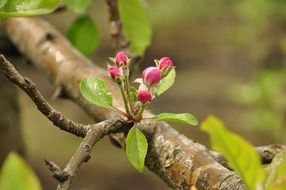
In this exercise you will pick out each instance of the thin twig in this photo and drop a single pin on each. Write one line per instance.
(118, 40)
(91, 133)
(180, 162)
(31, 90)
(82, 154)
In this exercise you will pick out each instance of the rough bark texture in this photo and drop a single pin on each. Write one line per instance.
(43, 106)
(82, 154)
(91, 133)
(10, 130)
(180, 162)
(267, 153)
(118, 41)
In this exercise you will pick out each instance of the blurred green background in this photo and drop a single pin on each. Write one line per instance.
(230, 62)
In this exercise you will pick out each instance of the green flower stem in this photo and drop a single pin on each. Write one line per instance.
(121, 112)
(140, 113)
(131, 103)
(124, 99)
(127, 85)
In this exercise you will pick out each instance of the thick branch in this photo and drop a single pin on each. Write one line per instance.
(180, 162)
(91, 134)
(266, 154)
(31, 90)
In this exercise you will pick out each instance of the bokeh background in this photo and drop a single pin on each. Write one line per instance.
(230, 62)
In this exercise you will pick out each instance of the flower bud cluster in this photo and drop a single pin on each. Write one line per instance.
(151, 78)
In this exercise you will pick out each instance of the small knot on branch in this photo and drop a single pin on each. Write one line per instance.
(57, 172)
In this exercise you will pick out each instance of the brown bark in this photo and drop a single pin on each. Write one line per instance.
(82, 154)
(266, 153)
(10, 130)
(180, 162)
(43, 106)
(91, 133)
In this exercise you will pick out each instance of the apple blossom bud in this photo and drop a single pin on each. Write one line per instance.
(114, 72)
(151, 76)
(165, 66)
(165, 63)
(121, 59)
(144, 96)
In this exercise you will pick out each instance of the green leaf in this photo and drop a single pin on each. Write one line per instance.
(166, 82)
(184, 118)
(276, 173)
(136, 148)
(136, 24)
(2, 3)
(20, 8)
(133, 94)
(280, 182)
(78, 6)
(96, 92)
(84, 35)
(17, 175)
(240, 154)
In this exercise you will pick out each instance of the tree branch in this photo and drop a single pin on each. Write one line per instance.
(180, 162)
(266, 153)
(92, 134)
(82, 154)
(31, 90)
(115, 28)
(118, 40)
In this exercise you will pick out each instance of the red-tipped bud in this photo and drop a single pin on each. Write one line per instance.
(151, 76)
(144, 96)
(165, 63)
(121, 59)
(114, 72)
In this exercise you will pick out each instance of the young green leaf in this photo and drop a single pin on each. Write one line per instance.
(78, 6)
(2, 3)
(136, 24)
(17, 175)
(240, 154)
(280, 182)
(184, 118)
(96, 91)
(136, 148)
(276, 172)
(84, 35)
(166, 82)
(20, 8)
(133, 94)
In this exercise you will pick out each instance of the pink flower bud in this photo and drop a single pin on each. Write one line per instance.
(151, 76)
(114, 72)
(144, 96)
(165, 63)
(121, 59)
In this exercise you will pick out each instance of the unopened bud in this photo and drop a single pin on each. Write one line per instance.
(121, 59)
(151, 76)
(165, 63)
(144, 96)
(165, 66)
(114, 72)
